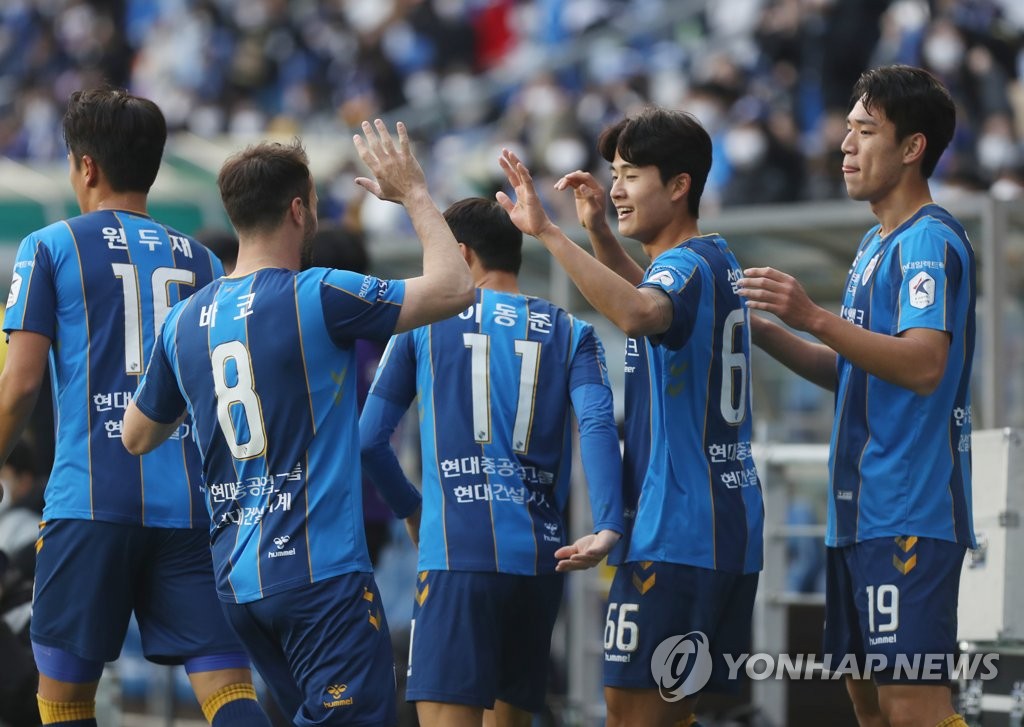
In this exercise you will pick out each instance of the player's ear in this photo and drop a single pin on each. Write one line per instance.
(297, 210)
(913, 148)
(679, 185)
(467, 253)
(90, 170)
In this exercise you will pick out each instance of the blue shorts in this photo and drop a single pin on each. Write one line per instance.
(478, 637)
(664, 611)
(894, 599)
(324, 650)
(91, 575)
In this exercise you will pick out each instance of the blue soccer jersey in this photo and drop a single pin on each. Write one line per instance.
(900, 462)
(266, 365)
(688, 472)
(496, 385)
(99, 286)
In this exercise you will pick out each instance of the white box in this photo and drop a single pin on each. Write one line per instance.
(992, 582)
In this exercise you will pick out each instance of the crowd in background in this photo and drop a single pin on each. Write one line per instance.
(768, 78)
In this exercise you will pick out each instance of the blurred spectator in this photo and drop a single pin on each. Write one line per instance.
(539, 74)
(20, 513)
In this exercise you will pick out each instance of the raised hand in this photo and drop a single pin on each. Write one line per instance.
(591, 198)
(397, 172)
(527, 213)
(586, 552)
(776, 292)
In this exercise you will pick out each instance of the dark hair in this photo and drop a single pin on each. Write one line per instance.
(485, 228)
(222, 243)
(258, 184)
(915, 101)
(21, 459)
(672, 141)
(122, 133)
(341, 248)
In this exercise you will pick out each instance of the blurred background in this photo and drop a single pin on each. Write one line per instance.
(769, 79)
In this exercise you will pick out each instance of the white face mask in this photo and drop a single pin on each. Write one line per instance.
(708, 113)
(996, 151)
(944, 52)
(565, 154)
(745, 147)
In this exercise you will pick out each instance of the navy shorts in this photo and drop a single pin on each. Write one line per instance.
(893, 600)
(676, 621)
(324, 651)
(91, 575)
(478, 637)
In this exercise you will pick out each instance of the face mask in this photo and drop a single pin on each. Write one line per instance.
(944, 52)
(564, 154)
(996, 152)
(745, 147)
(707, 113)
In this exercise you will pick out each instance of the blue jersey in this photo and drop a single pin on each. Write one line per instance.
(688, 472)
(266, 365)
(900, 462)
(99, 286)
(496, 385)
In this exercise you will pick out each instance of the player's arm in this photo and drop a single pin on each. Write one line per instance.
(635, 311)
(19, 385)
(602, 464)
(377, 423)
(590, 199)
(816, 362)
(158, 408)
(140, 434)
(591, 397)
(915, 359)
(446, 286)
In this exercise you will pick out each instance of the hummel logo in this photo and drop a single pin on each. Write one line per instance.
(281, 541)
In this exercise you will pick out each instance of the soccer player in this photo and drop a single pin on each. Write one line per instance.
(496, 385)
(691, 562)
(121, 534)
(264, 361)
(899, 359)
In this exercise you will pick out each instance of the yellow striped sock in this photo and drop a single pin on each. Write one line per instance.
(954, 720)
(51, 712)
(222, 696)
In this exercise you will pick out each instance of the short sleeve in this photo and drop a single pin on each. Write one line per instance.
(359, 306)
(158, 395)
(680, 279)
(931, 274)
(396, 374)
(32, 302)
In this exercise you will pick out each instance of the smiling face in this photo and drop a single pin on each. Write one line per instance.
(874, 162)
(643, 203)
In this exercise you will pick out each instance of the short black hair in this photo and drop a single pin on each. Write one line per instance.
(258, 184)
(122, 133)
(672, 141)
(341, 248)
(915, 101)
(486, 229)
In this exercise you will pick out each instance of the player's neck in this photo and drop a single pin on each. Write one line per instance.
(499, 280)
(670, 236)
(121, 201)
(900, 205)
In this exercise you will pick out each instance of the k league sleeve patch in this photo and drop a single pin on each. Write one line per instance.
(922, 290)
(12, 297)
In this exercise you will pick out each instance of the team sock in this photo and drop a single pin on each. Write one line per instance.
(954, 720)
(235, 706)
(67, 714)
